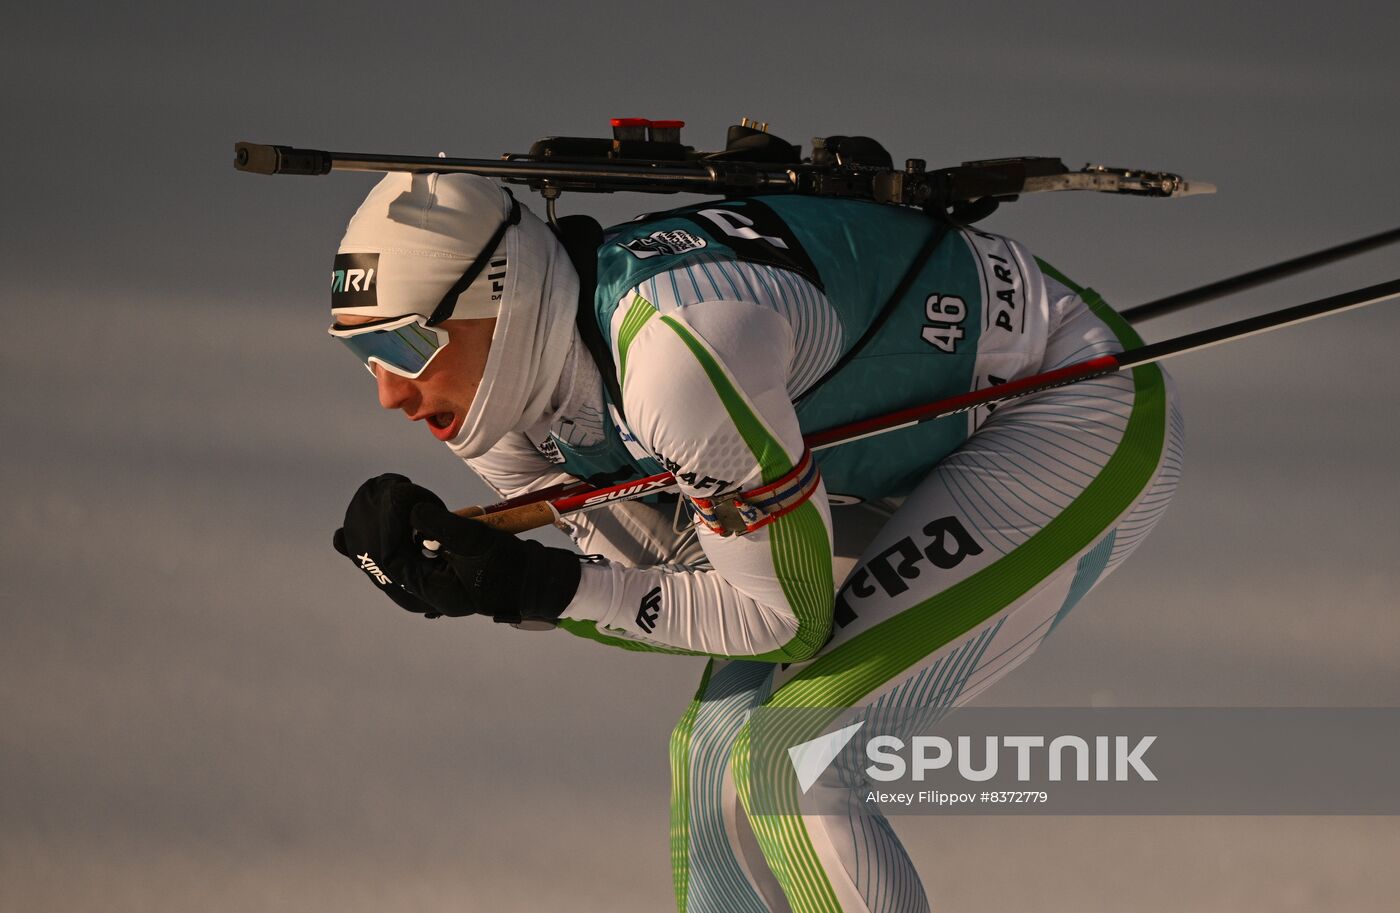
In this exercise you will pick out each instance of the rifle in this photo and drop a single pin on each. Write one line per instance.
(647, 156)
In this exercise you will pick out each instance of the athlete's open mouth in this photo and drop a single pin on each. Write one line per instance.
(443, 425)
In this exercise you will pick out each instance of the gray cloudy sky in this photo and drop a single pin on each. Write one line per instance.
(202, 707)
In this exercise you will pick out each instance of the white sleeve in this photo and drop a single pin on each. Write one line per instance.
(705, 392)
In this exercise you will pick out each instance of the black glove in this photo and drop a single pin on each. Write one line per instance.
(378, 538)
(479, 570)
(500, 575)
(402, 597)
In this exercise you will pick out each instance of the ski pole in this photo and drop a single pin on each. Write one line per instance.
(543, 508)
(1254, 277)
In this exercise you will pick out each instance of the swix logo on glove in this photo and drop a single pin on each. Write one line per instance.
(352, 281)
(369, 567)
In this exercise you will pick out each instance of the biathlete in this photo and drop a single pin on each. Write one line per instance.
(899, 574)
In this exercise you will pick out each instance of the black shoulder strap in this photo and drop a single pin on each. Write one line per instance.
(581, 237)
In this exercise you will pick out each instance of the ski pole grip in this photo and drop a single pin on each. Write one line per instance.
(262, 159)
(514, 520)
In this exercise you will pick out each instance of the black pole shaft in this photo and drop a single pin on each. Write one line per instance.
(1239, 329)
(1260, 276)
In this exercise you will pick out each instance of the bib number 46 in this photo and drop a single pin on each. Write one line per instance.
(945, 315)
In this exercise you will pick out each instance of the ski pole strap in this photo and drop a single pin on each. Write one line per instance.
(745, 511)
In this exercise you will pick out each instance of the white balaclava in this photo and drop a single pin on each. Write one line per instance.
(413, 240)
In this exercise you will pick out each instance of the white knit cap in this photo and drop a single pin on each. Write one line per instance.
(413, 239)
